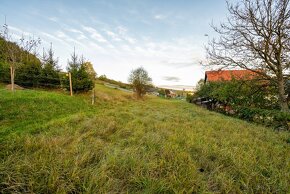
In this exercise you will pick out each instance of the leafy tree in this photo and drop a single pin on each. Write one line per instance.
(140, 80)
(256, 37)
(16, 51)
(103, 77)
(246, 93)
(90, 70)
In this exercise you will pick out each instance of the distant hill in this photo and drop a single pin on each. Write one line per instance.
(177, 87)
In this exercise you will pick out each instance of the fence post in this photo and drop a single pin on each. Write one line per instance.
(70, 83)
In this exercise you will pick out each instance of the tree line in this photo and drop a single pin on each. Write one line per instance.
(21, 64)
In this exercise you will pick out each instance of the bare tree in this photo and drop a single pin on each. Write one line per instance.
(256, 37)
(16, 50)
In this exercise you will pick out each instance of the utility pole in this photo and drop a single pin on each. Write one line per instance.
(70, 83)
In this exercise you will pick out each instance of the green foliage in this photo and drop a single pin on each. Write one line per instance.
(54, 143)
(140, 81)
(81, 80)
(30, 72)
(248, 93)
(161, 92)
(111, 81)
(50, 71)
(273, 118)
(189, 97)
(90, 70)
(4, 72)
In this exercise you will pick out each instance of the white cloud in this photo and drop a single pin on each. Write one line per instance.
(94, 34)
(113, 35)
(53, 19)
(160, 17)
(63, 36)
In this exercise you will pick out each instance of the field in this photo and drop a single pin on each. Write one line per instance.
(53, 143)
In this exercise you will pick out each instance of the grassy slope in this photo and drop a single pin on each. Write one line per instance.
(56, 143)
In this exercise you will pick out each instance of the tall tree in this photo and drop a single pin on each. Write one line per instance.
(50, 69)
(81, 80)
(256, 37)
(140, 80)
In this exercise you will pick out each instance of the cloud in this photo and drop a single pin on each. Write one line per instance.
(74, 30)
(160, 17)
(178, 63)
(80, 34)
(113, 35)
(63, 36)
(171, 78)
(19, 31)
(53, 19)
(94, 34)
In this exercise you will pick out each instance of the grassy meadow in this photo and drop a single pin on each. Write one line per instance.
(53, 143)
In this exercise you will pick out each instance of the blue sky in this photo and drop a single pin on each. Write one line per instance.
(166, 37)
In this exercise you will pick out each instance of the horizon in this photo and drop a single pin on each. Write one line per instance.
(166, 38)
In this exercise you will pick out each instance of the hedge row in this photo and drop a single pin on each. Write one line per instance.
(272, 118)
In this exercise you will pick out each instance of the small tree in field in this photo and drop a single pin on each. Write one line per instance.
(139, 79)
(81, 79)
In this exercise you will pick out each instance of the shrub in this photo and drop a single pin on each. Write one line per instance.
(272, 118)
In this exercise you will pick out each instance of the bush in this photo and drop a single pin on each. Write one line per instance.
(246, 93)
(272, 118)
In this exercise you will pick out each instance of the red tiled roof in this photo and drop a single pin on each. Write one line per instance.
(227, 75)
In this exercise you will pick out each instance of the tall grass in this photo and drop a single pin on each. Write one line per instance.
(150, 146)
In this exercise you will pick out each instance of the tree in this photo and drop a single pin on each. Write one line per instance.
(139, 79)
(50, 70)
(81, 80)
(15, 51)
(90, 70)
(244, 93)
(256, 37)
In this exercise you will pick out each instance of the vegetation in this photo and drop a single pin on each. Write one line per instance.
(246, 93)
(50, 71)
(54, 143)
(16, 53)
(140, 81)
(82, 79)
(250, 100)
(256, 37)
(118, 83)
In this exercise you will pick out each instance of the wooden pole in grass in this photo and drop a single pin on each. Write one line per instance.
(93, 96)
(70, 83)
(94, 93)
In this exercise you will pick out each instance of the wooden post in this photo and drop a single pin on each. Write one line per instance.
(70, 84)
(93, 96)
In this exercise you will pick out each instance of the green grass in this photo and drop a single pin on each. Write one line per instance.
(54, 143)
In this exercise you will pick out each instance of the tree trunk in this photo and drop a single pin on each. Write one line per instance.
(12, 76)
(282, 96)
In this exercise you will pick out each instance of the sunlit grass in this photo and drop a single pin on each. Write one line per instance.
(125, 145)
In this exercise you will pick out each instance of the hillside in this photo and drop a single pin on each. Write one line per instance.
(53, 143)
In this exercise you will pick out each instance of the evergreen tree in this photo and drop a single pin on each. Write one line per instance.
(50, 70)
(81, 80)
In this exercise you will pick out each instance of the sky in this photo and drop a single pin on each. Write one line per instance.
(166, 37)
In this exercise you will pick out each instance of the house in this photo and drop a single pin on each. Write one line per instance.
(228, 75)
